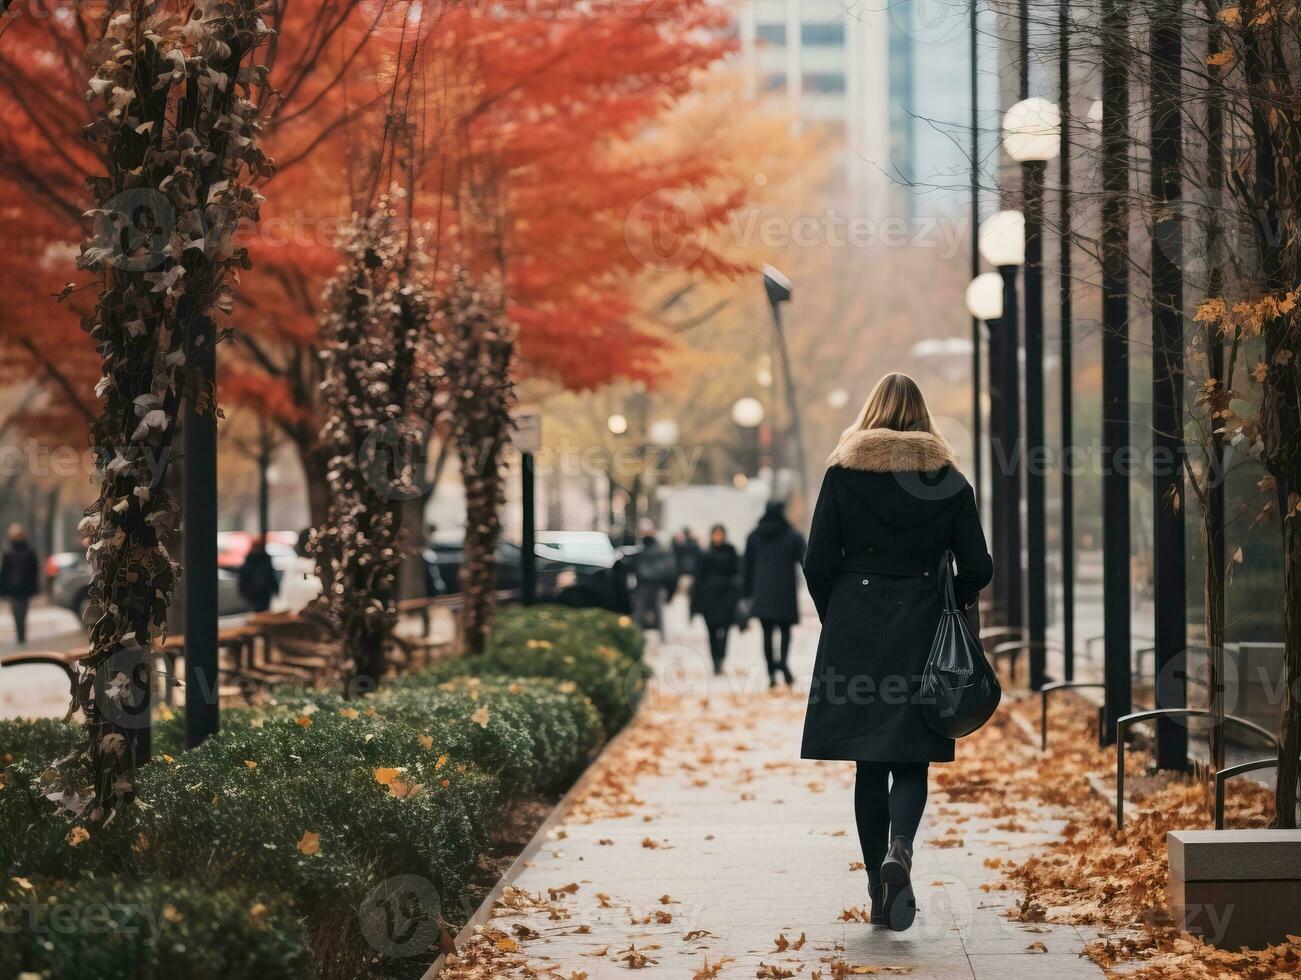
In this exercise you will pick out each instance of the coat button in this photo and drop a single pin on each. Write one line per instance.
(865, 581)
(927, 574)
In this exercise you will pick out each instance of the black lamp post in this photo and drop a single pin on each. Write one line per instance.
(778, 290)
(1116, 613)
(976, 441)
(1002, 244)
(1167, 384)
(985, 304)
(1065, 317)
(200, 545)
(1031, 133)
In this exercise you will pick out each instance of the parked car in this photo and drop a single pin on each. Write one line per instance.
(71, 590)
(448, 555)
(56, 562)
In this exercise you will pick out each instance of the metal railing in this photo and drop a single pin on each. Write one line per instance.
(1128, 721)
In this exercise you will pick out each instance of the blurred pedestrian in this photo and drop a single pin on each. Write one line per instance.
(773, 551)
(258, 581)
(716, 591)
(893, 505)
(687, 551)
(655, 574)
(19, 577)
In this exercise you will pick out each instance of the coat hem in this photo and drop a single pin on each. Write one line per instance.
(839, 752)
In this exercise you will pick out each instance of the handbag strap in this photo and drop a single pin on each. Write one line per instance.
(944, 581)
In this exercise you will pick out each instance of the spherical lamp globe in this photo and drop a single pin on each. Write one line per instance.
(1032, 131)
(985, 296)
(747, 412)
(1002, 239)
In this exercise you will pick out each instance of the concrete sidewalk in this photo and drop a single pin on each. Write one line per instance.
(704, 847)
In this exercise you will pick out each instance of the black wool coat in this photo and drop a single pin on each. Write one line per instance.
(717, 585)
(891, 504)
(773, 551)
(20, 576)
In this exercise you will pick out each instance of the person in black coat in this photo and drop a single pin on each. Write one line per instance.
(258, 581)
(892, 505)
(19, 578)
(716, 591)
(773, 551)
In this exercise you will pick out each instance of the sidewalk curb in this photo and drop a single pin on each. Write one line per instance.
(557, 816)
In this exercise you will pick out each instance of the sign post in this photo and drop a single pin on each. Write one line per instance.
(528, 440)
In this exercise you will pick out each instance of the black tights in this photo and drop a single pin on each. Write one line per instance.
(718, 642)
(886, 809)
(777, 665)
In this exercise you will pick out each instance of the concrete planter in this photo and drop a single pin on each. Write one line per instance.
(1236, 888)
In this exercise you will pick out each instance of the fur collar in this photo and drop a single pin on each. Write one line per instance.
(890, 451)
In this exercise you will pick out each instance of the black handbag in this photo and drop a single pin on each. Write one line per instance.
(959, 689)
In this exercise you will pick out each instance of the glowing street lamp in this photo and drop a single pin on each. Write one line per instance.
(747, 412)
(1002, 245)
(1032, 132)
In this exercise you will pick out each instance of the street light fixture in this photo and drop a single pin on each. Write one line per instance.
(778, 290)
(664, 433)
(747, 412)
(1032, 136)
(985, 296)
(748, 415)
(1032, 131)
(1002, 245)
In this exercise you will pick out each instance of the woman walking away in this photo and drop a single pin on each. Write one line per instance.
(772, 552)
(892, 505)
(19, 578)
(716, 590)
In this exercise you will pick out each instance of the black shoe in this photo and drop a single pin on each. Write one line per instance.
(878, 906)
(899, 905)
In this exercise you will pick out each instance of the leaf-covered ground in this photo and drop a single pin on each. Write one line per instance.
(1020, 871)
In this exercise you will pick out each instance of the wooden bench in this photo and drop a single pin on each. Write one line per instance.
(1236, 887)
(66, 660)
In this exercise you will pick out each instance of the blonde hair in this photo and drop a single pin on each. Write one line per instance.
(895, 403)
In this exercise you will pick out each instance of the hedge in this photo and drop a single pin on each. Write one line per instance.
(334, 803)
(597, 651)
(153, 930)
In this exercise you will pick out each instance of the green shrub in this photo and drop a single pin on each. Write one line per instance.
(153, 930)
(538, 734)
(211, 813)
(40, 739)
(563, 644)
(324, 800)
(516, 625)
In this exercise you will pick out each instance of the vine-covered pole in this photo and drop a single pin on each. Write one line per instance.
(176, 127)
